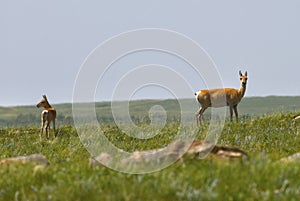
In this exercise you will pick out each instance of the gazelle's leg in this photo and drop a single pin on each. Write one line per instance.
(198, 114)
(231, 112)
(42, 129)
(236, 113)
(47, 129)
(201, 113)
(54, 128)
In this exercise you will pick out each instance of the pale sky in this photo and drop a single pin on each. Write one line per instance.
(44, 43)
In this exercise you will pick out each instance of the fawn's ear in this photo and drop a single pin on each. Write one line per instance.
(240, 73)
(246, 73)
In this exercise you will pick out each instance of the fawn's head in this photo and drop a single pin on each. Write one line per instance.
(43, 102)
(243, 78)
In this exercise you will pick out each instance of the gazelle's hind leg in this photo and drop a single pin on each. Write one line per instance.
(47, 129)
(199, 114)
(44, 118)
(42, 128)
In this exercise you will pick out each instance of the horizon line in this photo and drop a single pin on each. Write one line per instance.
(138, 99)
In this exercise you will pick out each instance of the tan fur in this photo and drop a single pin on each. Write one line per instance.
(217, 97)
(48, 115)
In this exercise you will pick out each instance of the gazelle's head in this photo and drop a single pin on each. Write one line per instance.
(243, 78)
(43, 102)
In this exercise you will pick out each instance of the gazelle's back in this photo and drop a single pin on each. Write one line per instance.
(217, 97)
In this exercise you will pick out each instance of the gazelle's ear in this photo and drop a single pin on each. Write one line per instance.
(246, 73)
(240, 73)
(44, 96)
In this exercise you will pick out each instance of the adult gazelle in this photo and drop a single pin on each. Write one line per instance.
(222, 97)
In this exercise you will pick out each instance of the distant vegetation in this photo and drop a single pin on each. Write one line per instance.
(249, 107)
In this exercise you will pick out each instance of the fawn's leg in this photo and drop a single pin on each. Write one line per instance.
(47, 129)
(42, 129)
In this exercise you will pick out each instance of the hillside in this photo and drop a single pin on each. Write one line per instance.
(250, 106)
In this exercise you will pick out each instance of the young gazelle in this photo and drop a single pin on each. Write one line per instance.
(217, 97)
(48, 114)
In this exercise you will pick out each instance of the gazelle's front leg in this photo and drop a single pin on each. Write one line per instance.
(55, 134)
(231, 112)
(236, 113)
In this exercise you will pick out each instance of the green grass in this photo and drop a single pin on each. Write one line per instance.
(266, 138)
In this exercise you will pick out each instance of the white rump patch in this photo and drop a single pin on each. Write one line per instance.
(45, 114)
(197, 93)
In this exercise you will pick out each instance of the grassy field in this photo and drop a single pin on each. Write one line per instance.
(261, 176)
(266, 132)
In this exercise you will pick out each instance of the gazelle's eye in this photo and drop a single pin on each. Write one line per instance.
(246, 78)
(240, 78)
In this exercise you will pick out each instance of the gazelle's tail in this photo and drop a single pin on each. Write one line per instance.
(197, 93)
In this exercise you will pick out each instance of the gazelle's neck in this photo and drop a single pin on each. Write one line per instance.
(242, 91)
(47, 106)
